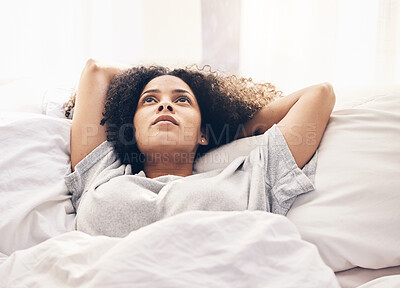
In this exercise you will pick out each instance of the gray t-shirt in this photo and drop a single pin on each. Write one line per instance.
(110, 201)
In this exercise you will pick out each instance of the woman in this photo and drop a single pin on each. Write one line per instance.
(156, 122)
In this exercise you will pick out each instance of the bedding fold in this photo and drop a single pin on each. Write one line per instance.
(192, 249)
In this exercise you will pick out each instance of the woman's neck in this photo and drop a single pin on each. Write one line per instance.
(160, 164)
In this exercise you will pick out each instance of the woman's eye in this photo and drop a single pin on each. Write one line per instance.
(151, 99)
(183, 99)
(148, 99)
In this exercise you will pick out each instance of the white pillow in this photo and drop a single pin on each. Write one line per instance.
(34, 199)
(34, 95)
(220, 157)
(22, 94)
(353, 217)
(54, 99)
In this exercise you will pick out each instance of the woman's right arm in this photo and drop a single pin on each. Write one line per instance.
(86, 131)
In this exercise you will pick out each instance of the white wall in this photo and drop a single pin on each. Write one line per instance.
(291, 43)
(55, 37)
(298, 43)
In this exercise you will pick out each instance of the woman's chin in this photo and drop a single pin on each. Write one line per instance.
(169, 146)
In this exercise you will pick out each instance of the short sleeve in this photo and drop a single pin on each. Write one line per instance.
(96, 168)
(283, 178)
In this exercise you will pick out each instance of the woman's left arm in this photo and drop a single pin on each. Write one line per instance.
(301, 117)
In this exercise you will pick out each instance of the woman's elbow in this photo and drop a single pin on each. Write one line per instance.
(91, 65)
(328, 94)
(329, 89)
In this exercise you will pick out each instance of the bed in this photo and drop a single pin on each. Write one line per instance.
(344, 234)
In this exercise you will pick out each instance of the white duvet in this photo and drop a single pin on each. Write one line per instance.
(194, 249)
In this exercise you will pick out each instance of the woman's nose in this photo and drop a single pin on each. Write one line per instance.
(165, 106)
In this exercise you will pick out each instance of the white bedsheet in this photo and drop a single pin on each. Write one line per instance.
(193, 249)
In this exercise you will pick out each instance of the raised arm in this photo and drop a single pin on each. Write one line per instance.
(86, 131)
(302, 118)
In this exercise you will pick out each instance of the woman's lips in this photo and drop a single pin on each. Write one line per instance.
(165, 118)
(164, 122)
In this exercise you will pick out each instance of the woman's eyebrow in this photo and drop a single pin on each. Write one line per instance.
(151, 90)
(181, 91)
(159, 91)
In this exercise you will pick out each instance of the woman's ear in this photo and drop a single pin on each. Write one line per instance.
(203, 141)
(203, 138)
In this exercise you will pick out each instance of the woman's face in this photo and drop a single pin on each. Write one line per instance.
(167, 117)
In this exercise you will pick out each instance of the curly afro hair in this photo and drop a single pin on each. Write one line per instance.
(226, 102)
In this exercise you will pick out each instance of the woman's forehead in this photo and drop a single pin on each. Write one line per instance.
(167, 82)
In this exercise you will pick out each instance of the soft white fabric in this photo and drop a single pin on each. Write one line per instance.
(54, 99)
(192, 249)
(220, 157)
(34, 95)
(383, 282)
(358, 276)
(34, 199)
(22, 94)
(353, 216)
